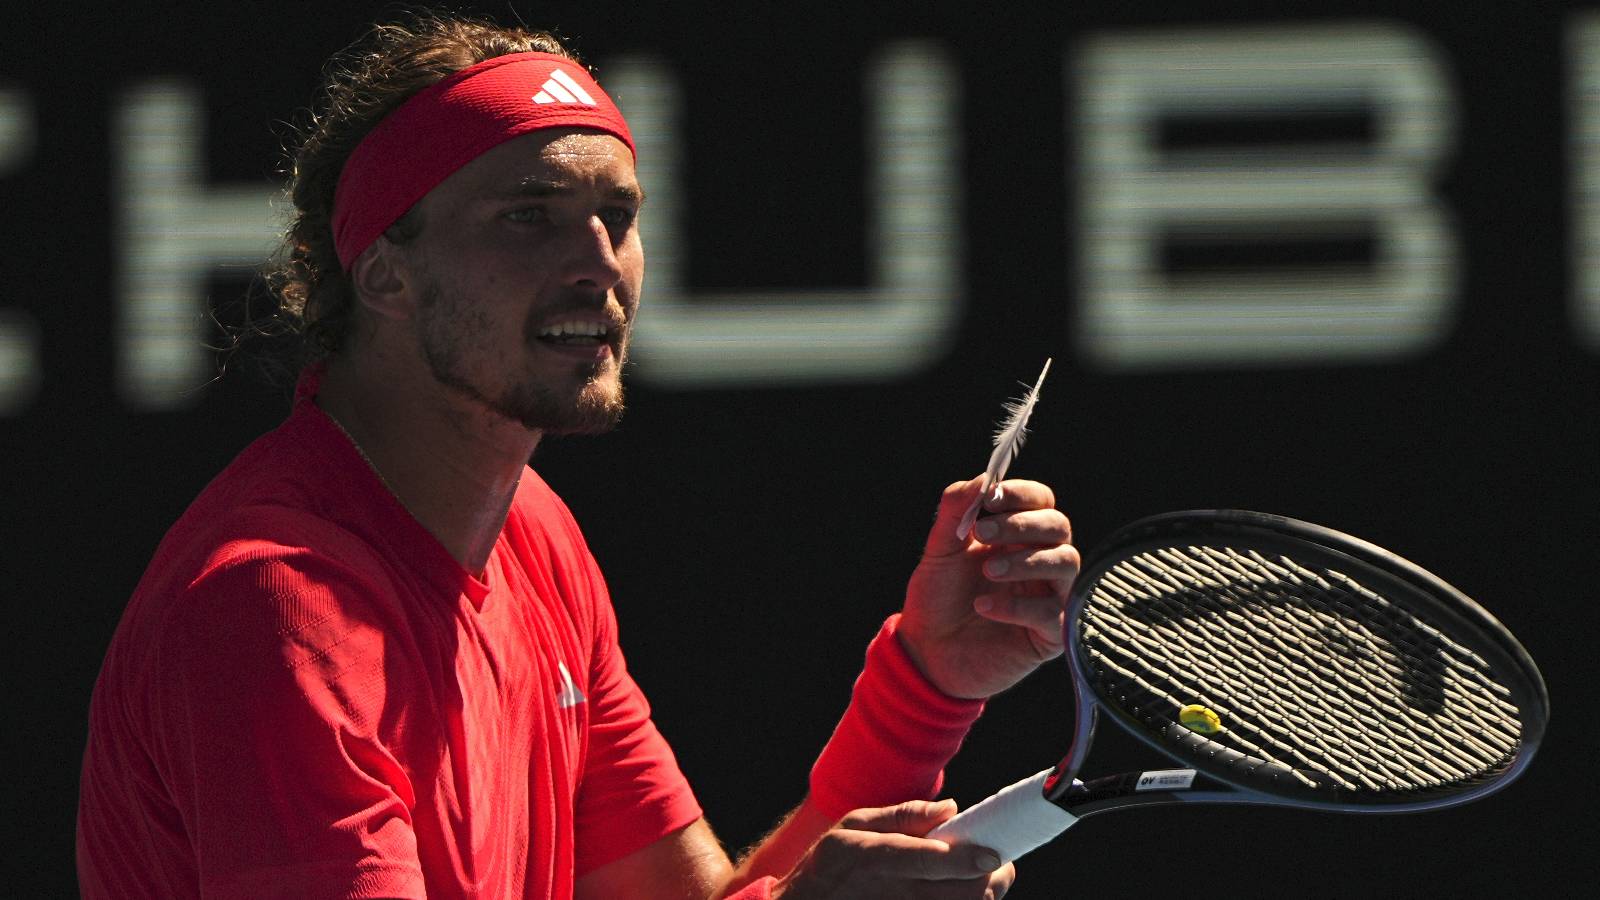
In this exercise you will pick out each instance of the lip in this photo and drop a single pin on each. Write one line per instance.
(611, 348)
(593, 353)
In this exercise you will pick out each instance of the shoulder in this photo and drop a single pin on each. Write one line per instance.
(547, 543)
(285, 559)
(258, 586)
(276, 530)
(541, 519)
(277, 591)
(271, 613)
(268, 583)
(536, 500)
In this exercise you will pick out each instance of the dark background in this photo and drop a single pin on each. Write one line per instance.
(754, 535)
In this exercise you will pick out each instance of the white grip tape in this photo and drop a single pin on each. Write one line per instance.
(1012, 822)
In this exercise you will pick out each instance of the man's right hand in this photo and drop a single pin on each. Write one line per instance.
(881, 853)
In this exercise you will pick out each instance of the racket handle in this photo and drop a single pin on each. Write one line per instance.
(1012, 822)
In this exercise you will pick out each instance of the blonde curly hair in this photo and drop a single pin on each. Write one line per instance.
(360, 86)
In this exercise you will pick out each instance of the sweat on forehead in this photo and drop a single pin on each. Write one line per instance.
(451, 123)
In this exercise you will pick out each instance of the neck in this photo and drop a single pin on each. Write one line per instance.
(453, 465)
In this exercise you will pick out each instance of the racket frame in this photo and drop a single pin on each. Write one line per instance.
(1460, 617)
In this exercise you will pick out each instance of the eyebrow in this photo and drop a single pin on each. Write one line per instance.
(534, 186)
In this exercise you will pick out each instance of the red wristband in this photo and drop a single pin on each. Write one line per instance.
(894, 739)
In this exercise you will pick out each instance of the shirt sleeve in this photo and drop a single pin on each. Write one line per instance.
(632, 792)
(275, 679)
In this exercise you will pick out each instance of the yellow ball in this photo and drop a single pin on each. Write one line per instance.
(1199, 719)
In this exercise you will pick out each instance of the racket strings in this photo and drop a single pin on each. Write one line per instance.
(1314, 674)
(1334, 631)
(1246, 706)
(1257, 756)
(1373, 673)
(1332, 687)
(1193, 665)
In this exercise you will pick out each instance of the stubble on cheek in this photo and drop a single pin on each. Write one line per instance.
(456, 340)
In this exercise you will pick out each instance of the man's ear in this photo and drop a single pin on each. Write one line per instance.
(383, 282)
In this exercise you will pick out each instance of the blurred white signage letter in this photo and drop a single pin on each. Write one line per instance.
(1132, 193)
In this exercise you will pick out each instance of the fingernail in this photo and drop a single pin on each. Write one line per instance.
(983, 604)
(988, 860)
(997, 566)
(986, 530)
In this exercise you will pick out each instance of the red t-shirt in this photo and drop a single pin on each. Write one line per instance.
(308, 697)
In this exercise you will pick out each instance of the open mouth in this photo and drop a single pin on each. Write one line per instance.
(576, 333)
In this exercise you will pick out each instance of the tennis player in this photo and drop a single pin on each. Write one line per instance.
(375, 657)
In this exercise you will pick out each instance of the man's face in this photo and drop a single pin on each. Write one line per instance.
(529, 267)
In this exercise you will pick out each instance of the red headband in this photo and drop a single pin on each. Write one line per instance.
(451, 123)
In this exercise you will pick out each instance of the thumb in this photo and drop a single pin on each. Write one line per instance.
(957, 500)
(914, 817)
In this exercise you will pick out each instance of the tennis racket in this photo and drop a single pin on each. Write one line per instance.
(1276, 662)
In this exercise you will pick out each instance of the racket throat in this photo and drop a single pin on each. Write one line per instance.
(1142, 788)
(1158, 780)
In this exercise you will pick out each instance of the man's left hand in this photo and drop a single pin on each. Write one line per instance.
(983, 612)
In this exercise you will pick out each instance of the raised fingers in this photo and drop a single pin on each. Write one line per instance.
(945, 537)
(1030, 526)
(1057, 563)
(1016, 494)
(1041, 615)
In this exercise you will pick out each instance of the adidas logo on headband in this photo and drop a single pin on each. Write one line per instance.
(458, 118)
(561, 88)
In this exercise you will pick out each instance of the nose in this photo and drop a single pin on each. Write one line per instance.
(593, 262)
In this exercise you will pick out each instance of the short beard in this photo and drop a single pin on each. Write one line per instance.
(447, 329)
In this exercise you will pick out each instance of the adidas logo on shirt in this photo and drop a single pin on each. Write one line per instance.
(570, 695)
(563, 88)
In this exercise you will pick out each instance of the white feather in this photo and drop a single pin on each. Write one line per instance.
(1008, 440)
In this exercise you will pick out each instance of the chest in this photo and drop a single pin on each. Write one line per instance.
(519, 666)
(507, 736)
